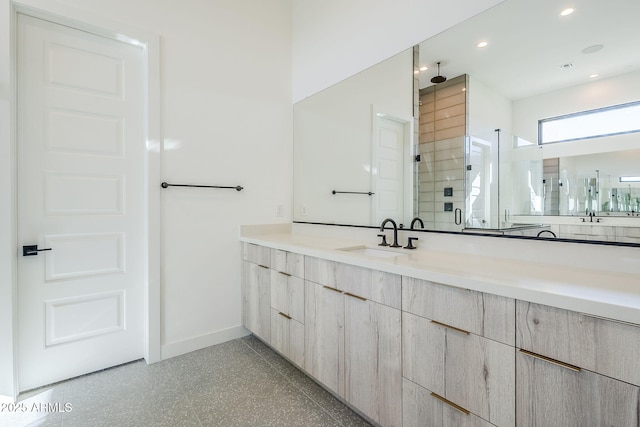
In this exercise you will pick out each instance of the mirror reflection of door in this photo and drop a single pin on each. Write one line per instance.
(478, 184)
(390, 149)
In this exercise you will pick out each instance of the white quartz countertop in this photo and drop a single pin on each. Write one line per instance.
(608, 294)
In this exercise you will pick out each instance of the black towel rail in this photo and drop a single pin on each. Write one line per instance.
(368, 193)
(165, 185)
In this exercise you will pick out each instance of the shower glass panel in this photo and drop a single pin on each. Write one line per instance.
(504, 176)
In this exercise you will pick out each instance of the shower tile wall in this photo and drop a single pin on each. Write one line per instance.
(442, 130)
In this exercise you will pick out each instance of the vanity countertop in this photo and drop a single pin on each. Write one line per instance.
(609, 294)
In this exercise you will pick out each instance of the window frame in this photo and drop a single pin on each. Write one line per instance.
(541, 122)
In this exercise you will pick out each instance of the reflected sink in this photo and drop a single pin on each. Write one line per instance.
(372, 252)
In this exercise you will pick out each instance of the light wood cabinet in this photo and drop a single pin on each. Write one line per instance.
(324, 335)
(482, 314)
(287, 262)
(287, 305)
(373, 359)
(420, 408)
(600, 345)
(475, 373)
(287, 336)
(353, 344)
(552, 395)
(574, 369)
(405, 351)
(256, 299)
(458, 344)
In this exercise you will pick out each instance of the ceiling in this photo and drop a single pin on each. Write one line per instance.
(530, 45)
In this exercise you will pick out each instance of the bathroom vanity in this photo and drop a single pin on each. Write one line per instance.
(443, 336)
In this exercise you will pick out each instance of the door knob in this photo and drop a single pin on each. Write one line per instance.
(30, 250)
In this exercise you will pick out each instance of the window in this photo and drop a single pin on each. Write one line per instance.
(614, 120)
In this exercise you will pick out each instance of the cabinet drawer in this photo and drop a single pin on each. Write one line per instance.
(599, 345)
(256, 254)
(320, 271)
(287, 337)
(377, 286)
(421, 409)
(474, 372)
(552, 395)
(287, 295)
(487, 315)
(287, 262)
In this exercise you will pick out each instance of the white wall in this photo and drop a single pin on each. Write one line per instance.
(334, 39)
(488, 110)
(596, 94)
(226, 120)
(333, 133)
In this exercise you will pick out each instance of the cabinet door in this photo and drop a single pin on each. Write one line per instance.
(553, 395)
(475, 373)
(373, 359)
(324, 335)
(256, 299)
(421, 409)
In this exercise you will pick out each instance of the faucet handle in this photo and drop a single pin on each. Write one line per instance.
(410, 244)
(384, 240)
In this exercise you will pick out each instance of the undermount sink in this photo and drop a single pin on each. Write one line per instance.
(372, 252)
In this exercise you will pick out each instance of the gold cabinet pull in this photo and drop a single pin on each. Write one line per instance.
(450, 403)
(284, 315)
(284, 274)
(331, 289)
(444, 325)
(550, 360)
(262, 266)
(355, 296)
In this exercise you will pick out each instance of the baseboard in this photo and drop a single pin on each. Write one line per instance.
(168, 351)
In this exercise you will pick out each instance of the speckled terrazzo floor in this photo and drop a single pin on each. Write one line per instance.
(238, 383)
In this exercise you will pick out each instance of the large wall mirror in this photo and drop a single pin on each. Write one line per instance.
(503, 124)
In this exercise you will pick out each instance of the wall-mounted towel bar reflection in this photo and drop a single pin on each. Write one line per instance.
(368, 193)
(165, 185)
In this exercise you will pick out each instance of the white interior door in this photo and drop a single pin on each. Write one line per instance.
(81, 195)
(388, 158)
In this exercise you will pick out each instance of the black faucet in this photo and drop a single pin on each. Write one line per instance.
(395, 232)
(413, 222)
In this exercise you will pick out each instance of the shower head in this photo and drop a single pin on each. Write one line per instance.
(438, 78)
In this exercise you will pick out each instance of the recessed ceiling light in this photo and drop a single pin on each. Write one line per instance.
(593, 76)
(592, 49)
(567, 11)
(482, 44)
(424, 68)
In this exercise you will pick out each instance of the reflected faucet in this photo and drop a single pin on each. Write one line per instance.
(547, 231)
(413, 222)
(395, 232)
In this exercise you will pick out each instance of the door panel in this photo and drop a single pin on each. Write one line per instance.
(81, 194)
(389, 174)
